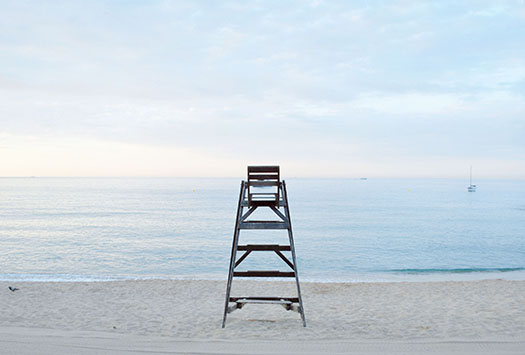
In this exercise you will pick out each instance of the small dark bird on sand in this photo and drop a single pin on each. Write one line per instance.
(13, 289)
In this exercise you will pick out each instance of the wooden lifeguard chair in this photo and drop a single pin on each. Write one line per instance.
(267, 178)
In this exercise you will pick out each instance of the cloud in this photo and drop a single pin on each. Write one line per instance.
(367, 84)
(88, 157)
(410, 103)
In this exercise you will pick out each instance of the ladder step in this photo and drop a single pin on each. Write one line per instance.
(266, 299)
(263, 225)
(245, 203)
(271, 247)
(262, 300)
(269, 273)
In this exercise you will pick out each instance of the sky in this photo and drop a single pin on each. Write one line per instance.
(204, 88)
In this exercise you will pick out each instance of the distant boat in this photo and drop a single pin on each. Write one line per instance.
(471, 188)
(363, 178)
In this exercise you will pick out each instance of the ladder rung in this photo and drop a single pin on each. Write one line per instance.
(269, 273)
(264, 301)
(264, 177)
(272, 247)
(286, 299)
(245, 203)
(263, 225)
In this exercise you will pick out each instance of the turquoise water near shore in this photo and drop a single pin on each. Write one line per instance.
(71, 229)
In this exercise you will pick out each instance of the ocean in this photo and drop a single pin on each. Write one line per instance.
(97, 229)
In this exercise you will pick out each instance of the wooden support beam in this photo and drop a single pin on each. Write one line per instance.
(279, 213)
(263, 225)
(290, 299)
(242, 257)
(247, 214)
(285, 259)
(282, 302)
(281, 203)
(271, 247)
(265, 177)
(259, 273)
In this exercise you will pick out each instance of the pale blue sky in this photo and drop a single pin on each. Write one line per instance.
(324, 88)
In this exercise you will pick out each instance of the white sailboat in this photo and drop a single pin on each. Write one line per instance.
(471, 188)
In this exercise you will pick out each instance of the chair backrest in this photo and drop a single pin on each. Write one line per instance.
(263, 185)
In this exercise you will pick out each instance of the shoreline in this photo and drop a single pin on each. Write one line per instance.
(515, 274)
(164, 313)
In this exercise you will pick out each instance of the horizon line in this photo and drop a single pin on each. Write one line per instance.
(363, 178)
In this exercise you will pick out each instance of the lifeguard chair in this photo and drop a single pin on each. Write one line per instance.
(263, 189)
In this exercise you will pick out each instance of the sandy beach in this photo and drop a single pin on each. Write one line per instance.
(161, 316)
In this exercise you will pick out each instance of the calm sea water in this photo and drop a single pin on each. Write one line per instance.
(345, 229)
